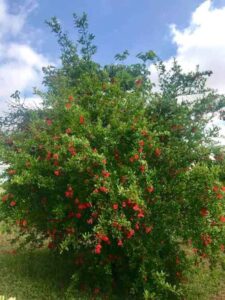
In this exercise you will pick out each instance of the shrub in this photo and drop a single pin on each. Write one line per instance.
(127, 180)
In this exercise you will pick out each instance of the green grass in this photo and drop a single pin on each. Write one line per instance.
(204, 283)
(38, 274)
(32, 275)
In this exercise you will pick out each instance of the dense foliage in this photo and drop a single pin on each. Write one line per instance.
(129, 181)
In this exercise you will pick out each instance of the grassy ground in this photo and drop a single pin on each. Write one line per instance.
(40, 275)
(205, 284)
(33, 275)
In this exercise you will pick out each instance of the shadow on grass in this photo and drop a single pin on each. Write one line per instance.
(35, 274)
(42, 275)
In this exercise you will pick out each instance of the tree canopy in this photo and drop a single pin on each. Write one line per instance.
(123, 178)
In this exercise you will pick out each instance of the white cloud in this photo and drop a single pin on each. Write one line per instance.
(10, 24)
(33, 102)
(20, 64)
(203, 43)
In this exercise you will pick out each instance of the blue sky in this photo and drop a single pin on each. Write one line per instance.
(119, 24)
(190, 30)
